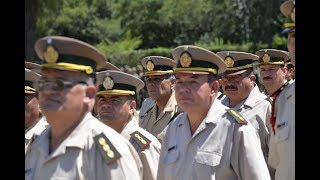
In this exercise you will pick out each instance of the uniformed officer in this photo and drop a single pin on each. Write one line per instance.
(159, 108)
(77, 145)
(272, 69)
(208, 140)
(107, 66)
(282, 142)
(34, 122)
(116, 107)
(243, 94)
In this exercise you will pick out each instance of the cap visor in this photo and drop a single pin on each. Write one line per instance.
(233, 72)
(192, 72)
(156, 74)
(29, 92)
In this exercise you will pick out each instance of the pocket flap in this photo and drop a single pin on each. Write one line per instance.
(171, 157)
(208, 158)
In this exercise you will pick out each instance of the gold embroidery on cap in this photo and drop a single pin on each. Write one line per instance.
(150, 65)
(108, 82)
(185, 60)
(51, 55)
(266, 57)
(229, 61)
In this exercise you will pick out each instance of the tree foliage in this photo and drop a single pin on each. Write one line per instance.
(119, 26)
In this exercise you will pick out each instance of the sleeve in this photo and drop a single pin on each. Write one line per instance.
(247, 158)
(150, 161)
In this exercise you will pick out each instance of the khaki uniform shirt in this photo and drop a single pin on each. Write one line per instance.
(282, 143)
(256, 109)
(148, 155)
(34, 131)
(78, 156)
(149, 120)
(220, 149)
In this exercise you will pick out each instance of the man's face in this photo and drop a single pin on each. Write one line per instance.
(238, 87)
(31, 109)
(114, 108)
(291, 46)
(272, 75)
(61, 91)
(193, 92)
(159, 86)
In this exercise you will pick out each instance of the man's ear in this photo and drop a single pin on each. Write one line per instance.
(215, 85)
(91, 91)
(173, 83)
(133, 106)
(220, 82)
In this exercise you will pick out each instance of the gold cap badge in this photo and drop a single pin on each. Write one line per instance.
(185, 60)
(266, 57)
(51, 55)
(229, 61)
(150, 65)
(108, 82)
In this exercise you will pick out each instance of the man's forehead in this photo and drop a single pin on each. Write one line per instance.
(190, 75)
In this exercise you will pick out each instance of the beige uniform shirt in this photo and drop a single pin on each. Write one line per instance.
(282, 143)
(78, 156)
(148, 155)
(149, 120)
(34, 131)
(256, 109)
(219, 149)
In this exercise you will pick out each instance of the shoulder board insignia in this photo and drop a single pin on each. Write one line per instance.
(142, 141)
(240, 119)
(106, 148)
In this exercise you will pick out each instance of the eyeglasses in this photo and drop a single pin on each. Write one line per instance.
(55, 84)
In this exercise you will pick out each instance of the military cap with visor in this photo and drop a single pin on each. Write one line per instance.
(273, 56)
(197, 60)
(237, 62)
(287, 8)
(118, 83)
(67, 53)
(30, 78)
(157, 65)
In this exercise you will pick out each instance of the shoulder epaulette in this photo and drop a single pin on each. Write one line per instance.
(237, 116)
(106, 148)
(142, 141)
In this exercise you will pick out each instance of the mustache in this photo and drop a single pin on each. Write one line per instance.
(231, 87)
(267, 77)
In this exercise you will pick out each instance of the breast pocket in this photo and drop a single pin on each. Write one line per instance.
(205, 165)
(171, 157)
(208, 158)
(282, 131)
